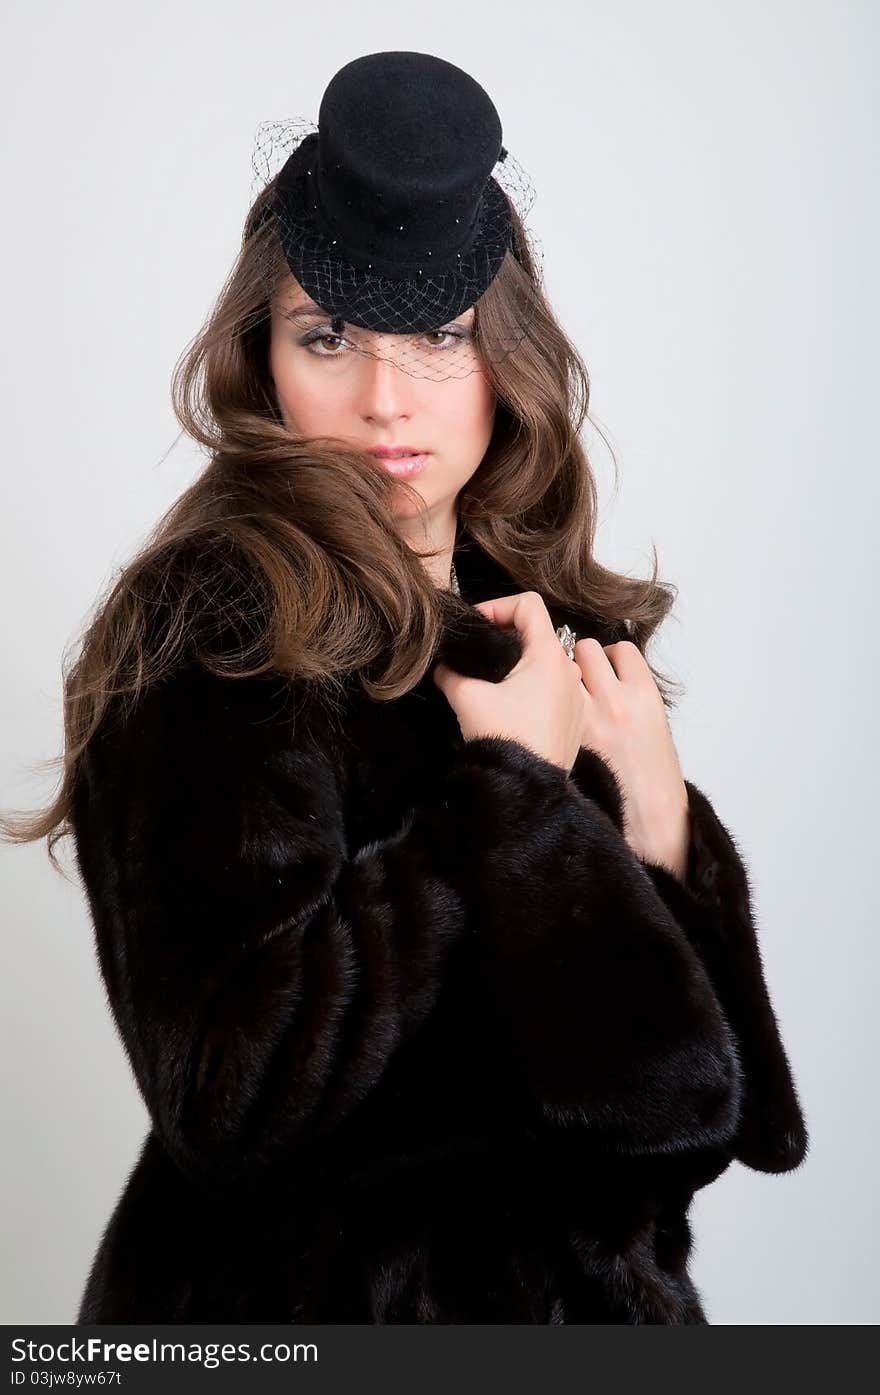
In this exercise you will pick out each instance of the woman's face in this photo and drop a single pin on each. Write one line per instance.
(327, 388)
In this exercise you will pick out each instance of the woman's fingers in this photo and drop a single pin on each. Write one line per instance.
(627, 660)
(525, 611)
(599, 677)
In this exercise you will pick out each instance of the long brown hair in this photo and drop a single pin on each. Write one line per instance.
(288, 538)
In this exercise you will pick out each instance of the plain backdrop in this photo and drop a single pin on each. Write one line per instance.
(707, 207)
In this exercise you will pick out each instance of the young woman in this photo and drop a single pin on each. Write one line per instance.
(440, 983)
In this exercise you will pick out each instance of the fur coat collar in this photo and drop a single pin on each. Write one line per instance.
(419, 1038)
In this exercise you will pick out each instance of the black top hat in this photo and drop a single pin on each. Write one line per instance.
(389, 215)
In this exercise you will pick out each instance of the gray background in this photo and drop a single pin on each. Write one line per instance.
(707, 198)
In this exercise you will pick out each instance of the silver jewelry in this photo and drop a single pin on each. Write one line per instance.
(567, 638)
(453, 580)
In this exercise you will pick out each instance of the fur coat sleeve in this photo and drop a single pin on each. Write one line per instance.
(714, 909)
(263, 969)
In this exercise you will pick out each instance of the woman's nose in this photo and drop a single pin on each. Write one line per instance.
(386, 388)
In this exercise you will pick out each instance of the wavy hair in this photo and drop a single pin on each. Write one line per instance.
(283, 543)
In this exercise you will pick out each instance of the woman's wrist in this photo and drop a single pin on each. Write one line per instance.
(664, 836)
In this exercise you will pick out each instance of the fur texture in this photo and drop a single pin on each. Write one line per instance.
(421, 1039)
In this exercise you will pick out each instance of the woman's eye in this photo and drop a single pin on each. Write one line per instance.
(324, 336)
(451, 334)
(321, 337)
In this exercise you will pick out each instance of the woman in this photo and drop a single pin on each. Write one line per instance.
(439, 982)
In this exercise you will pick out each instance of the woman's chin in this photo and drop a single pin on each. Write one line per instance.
(403, 505)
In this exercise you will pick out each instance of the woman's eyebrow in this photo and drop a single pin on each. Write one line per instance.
(298, 311)
(308, 310)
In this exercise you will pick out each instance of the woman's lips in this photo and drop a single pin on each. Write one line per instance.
(403, 465)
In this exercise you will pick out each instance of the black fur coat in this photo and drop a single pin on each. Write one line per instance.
(421, 1039)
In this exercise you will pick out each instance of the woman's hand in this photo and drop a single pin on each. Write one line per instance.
(625, 722)
(607, 700)
(540, 703)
